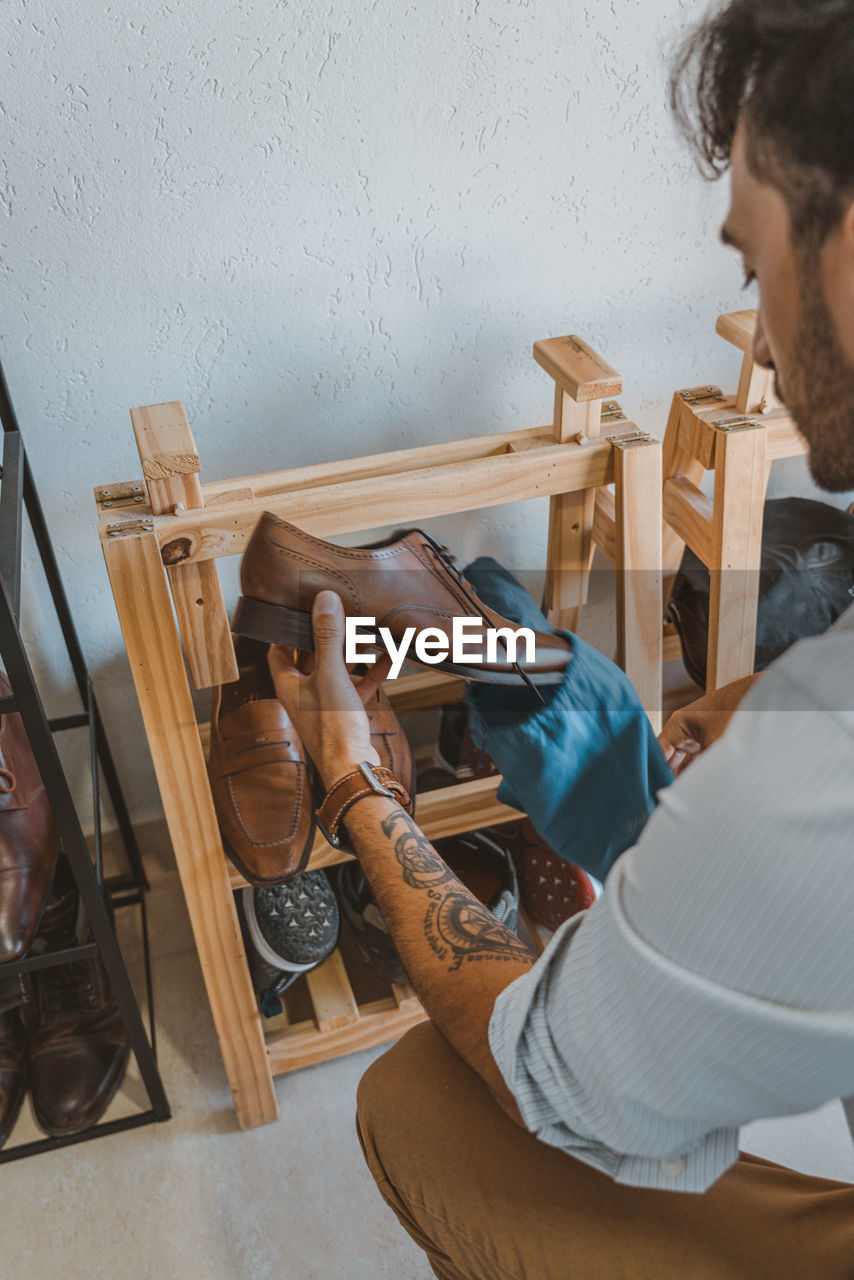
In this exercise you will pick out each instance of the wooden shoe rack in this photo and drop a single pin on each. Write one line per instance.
(737, 437)
(162, 536)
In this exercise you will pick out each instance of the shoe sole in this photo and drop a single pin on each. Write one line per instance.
(252, 879)
(264, 949)
(277, 624)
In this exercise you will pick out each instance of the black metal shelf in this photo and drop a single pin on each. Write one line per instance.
(18, 494)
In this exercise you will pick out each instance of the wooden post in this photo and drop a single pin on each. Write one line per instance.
(676, 461)
(171, 467)
(740, 478)
(145, 613)
(582, 380)
(637, 500)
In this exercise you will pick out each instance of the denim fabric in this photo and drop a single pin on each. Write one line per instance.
(585, 765)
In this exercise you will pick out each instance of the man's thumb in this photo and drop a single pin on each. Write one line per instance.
(327, 620)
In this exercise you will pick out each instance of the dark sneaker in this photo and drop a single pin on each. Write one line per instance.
(482, 864)
(294, 926)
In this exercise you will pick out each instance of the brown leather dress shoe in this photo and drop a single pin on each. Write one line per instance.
(78, 1042)
(13, 1070)
(259, 775)
(28, 838)
(407, 581)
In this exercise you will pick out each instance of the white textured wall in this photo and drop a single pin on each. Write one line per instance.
(331, 228)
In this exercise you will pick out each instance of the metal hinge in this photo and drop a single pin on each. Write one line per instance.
(633, 437)
(735, 424)
(612, 412)
(130, 526)
(126, 494)
(697, 395)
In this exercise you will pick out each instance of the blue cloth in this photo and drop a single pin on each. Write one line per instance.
(586, 766)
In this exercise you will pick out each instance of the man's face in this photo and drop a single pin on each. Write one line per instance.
(805, 330)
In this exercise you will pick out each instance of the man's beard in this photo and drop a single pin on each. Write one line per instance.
(819, 387)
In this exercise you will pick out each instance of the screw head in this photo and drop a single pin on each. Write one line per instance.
(138, 498)
(107, 504)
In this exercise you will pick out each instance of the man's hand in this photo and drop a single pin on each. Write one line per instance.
(694, 728)
(324, 703)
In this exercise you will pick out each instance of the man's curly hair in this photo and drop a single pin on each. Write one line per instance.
(786, 69)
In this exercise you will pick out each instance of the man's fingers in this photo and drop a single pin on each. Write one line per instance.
(368, 684)
(327, 618)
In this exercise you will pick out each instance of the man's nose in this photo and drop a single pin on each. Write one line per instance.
(761, 350)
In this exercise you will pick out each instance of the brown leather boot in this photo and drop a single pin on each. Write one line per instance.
(28, 838)
(13, 1070)
(407, 581)
(78, 1042)
(259, 775)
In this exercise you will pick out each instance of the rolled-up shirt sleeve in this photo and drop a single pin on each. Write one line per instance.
(713, 982)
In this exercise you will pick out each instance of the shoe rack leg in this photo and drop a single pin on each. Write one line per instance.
(145, 612)
(676, 461)
(755, 388)
(637, 508)
(570, 543)
(740, 483)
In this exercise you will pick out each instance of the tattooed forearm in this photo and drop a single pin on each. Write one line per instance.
(456, 926)
(422, 866)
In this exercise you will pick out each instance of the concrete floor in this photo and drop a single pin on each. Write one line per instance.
(195, 1199)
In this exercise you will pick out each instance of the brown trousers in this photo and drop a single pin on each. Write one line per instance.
(486, 1201)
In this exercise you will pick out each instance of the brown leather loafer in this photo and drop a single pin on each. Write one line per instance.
(13, 1070)
(259, 775)
(407, 581)
(390, 743)
(28, 837)
(78, 1042)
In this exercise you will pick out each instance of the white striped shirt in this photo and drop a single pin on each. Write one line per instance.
(713, 982)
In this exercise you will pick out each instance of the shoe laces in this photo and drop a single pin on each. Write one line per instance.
(446, 559)
(56, 983)
(8, 781)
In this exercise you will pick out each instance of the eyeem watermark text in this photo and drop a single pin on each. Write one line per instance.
(431, 645)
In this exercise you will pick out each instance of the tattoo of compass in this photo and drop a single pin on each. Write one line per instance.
(457, 926)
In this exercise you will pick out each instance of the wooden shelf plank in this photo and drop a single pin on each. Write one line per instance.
(372, 502)
(445, 812)
(303, 1045)
(331, 994)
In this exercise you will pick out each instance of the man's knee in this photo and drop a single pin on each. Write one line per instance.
(392, 1081)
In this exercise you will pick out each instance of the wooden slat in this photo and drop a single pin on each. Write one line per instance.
(638, 536)
(690, 514)
(671, 644)
(331, 994)
(424, 689)
(755, 388)
(170, 460)
(740, 479)
(170, 464)
(604, 524)
(154, 652)
(783, 439)
(372, 503)
(444, 812)
(678, 459)
(738, 328)
(302, 1045)
(391, 463)
(577, 368)
(404, 996)
(570, 538)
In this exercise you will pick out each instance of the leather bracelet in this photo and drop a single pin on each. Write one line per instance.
(366, 780)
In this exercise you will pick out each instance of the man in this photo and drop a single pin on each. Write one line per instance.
(578, 1115)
